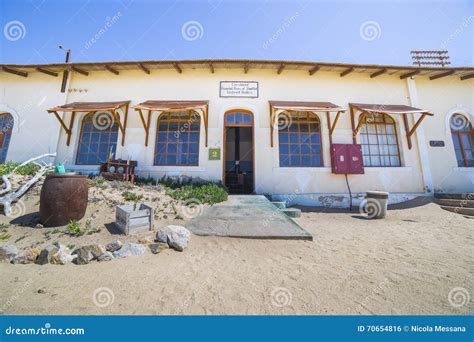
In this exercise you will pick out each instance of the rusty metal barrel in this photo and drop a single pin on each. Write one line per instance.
(63, 198)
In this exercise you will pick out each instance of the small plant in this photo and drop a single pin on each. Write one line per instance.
(71, 246)
(99, 182)
(29, 169)
(75, 229)
(4, 227)
(56, 231)
(131, 196)
(20, 238)
(4, 236)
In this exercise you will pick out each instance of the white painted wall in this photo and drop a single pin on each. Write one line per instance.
(438, 96)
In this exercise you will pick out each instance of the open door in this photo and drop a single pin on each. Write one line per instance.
(239, 152)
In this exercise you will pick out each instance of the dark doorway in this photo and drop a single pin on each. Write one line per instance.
(238, 152)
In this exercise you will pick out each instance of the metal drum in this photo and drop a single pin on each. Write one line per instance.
(63, 198)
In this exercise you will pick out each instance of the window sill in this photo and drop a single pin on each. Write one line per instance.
(369, 169)
(464, 168)
(285, 169)
(170, 168)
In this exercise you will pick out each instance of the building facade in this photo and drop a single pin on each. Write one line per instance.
(263, 127)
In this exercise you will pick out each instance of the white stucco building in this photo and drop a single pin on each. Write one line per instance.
(213, 119)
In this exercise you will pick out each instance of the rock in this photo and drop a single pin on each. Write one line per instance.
(114, 246)
(8, 253)
(88, 253)
(130, 249)
(107, 256)
(28, 256)
(39, 225)
(46, 255)
(177, 237)
(41, 290)
(156, 248)
(62, 256)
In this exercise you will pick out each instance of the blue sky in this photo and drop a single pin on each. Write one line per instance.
(379, 32)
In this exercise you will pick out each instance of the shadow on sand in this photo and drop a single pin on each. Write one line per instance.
(414, 203)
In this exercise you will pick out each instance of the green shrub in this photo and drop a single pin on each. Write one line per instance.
(205, 193)
(28, 169)
(99, 181)
(4, 236)
(131, 196)
(173, 182)
(75, 229)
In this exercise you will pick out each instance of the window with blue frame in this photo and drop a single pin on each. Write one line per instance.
(97, 141)
(6, 127)
(299, 137)
(177, 139)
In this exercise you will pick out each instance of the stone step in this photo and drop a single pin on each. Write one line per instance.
(292, 212)
(279, 205)
(459, 210)
(458, 196)
(455, 203)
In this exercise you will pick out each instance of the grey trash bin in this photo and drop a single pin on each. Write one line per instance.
(376, 206)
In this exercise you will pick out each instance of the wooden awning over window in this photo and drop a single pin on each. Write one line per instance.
(91, 107)
(295, 106)
(366, 109)
(201, 107)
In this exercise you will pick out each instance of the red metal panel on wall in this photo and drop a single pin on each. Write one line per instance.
(347, 159)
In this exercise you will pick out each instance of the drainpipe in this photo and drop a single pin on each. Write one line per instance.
(421, 138)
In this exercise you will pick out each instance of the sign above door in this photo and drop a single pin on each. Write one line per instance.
(239, 89)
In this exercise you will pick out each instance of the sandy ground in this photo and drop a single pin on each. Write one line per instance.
(406, 264)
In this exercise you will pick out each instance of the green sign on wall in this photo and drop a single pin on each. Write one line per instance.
(215, 153)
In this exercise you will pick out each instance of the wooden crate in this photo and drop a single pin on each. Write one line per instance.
(131, 221)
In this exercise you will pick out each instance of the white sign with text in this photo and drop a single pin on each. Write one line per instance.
(239, 89)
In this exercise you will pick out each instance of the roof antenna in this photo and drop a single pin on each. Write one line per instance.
(66, 71)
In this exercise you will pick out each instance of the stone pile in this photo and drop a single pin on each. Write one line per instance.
(175, 237)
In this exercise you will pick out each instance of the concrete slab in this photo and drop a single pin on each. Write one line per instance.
(247, 216)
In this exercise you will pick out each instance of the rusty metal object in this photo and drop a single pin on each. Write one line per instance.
(63, 198)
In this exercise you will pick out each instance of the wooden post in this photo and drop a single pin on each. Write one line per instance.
(407, 131)
(147, 127)
(124, 124)
(69, 131)
(328, 118)
(354, 140)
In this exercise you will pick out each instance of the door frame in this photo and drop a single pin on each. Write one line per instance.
(224, 143)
